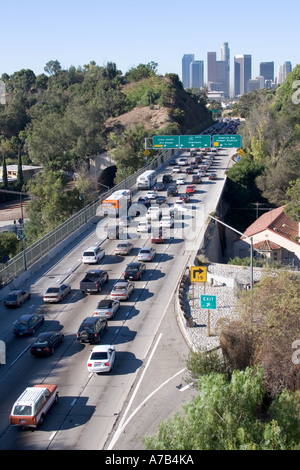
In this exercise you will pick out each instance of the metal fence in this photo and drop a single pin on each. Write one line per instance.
(41, 247)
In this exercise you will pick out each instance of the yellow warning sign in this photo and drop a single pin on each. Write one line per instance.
(198, 273)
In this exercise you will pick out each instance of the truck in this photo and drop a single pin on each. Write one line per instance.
(93, 281)
(116, 204)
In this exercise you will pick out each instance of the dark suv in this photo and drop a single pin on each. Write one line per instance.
(172, 190)
(91, 330)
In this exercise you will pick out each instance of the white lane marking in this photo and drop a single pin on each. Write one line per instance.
(21, 354)
(182, 389)
(52, 435)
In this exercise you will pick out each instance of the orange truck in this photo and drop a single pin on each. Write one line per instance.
(117, 203)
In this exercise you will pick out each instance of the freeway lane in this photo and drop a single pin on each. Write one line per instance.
(91, 407)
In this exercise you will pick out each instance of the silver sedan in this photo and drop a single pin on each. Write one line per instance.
(56, 294)
(122, 290)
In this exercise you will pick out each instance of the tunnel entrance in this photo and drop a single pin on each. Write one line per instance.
(106, 179)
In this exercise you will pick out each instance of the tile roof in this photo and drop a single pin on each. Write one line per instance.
(277, 221)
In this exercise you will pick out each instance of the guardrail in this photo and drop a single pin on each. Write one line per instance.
(41, 247)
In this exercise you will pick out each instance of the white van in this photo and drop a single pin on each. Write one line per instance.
(92, 255)
(30, 408)
(182, 161)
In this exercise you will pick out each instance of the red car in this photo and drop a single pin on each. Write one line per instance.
(157, 236)
(184, 197)
(190, 189)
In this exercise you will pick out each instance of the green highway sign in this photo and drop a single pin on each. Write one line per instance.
(181, 141)
(227, 140)
(194, 141)
(166, 141)
(209, 301)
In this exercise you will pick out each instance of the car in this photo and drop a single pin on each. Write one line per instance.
(167, 221)
(93, 281)
(124, 248)
(157, 235)
(190, 189)
(151, 195)
(91, 330)
(46, 343)
(101, 359)
(196, 179)
(114, 231)
(167, 178)
(212, 176)
(134, 271)
(180, 180)
(16, 298)
(143, 226)
(184, 197)
(125, 221)
(180, 205)
(189, 170)
(160, 200)
(122, 290)
(56, 293)
(182, 161)
(159, 186)
(154, 213)
(92, 255)
(176, 169)
(200, 173)
(172, 190)
(106, 308)
(27, 324)
(146, 254)
(144, 200)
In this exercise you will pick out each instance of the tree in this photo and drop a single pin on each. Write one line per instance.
(20, 177)
(293, 201)
(229, 415)
(4, 174)
(52, 67)
(268, 324)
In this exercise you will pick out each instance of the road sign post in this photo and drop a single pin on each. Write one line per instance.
(209, 302)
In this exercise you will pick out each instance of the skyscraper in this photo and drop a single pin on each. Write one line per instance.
(266, 70)
(242, 73)
(225, 57)
(197, 74)
(283, 71)
(186, 76)
(211, 68)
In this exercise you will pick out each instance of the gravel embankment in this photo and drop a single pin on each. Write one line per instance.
(223, 282)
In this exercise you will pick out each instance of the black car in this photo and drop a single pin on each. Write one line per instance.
(27, 324)
(159, 186)
(172, 191)
(144, 200)
(196, 179)
(160, 200)
(46, 343)
(167, 178)
(134, 271)
(91, 330)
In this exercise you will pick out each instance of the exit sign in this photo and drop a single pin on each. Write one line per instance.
(209, 301)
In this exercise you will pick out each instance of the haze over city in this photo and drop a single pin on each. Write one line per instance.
(33, 33)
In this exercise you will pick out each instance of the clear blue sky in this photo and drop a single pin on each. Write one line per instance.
(132, 32)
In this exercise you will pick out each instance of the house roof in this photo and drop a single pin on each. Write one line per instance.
(266, 245)
(277, 221)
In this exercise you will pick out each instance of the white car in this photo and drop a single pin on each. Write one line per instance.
(167, 221)
(143, 226)
(93, 255)
(176, 169)
(146, 254)
(151, 195)
(101, 359)
(180, 180)
(180, 205)
(153, 213)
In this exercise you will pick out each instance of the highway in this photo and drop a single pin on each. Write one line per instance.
(148, 382)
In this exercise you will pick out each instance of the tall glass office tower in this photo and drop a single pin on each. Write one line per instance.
(225, 57)
(186, 74)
